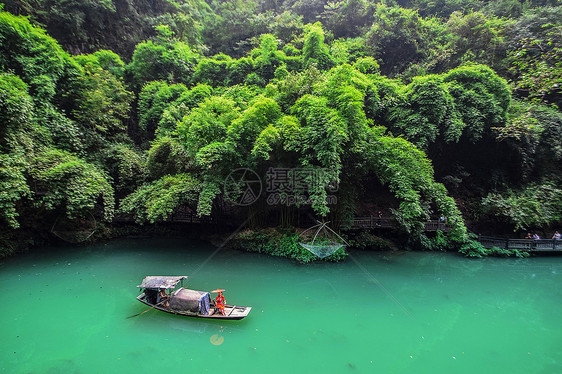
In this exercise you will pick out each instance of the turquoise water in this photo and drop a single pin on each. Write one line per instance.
(65, 310)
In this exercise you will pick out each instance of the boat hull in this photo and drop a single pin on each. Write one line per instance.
(232, 312)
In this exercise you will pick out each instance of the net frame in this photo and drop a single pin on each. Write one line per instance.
(322, 250)
(74, 236)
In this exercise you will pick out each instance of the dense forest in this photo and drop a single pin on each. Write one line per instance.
(419, 109)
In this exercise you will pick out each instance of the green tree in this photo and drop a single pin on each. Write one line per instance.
(228, 28)
(315, 51)
(166, 59)
(267, 58)
(536, 55)
(83, 26)
(426, 113)
(69, 184)
(14, 188)
(167, 156)
(154, 99)
(207, 123)
(535, 206)
(399, 37)
(102, 102)
(103, 59)
(443, 8)
(125, 167)
(245, 129)
(347, 18)
(181, 107)
(34, 56)
(477, 37)
(481, 97)
(212, 71)
(16, 107)
(157, 200)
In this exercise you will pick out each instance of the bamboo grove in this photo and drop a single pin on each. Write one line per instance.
(447, 111)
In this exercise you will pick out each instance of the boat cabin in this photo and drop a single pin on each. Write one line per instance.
(161, 290)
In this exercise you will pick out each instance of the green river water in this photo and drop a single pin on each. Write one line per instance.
(64, 311)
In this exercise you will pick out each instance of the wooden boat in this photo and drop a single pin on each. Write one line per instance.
(159, 292)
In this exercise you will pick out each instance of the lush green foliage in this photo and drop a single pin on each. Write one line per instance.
(536, 59)
(154, 98)
(34, 56)
(16, 107)
(373, 98)
(400, 37)
(102, 102)
(86, 26)
(13, 188)
(157, 200)
(368, 241)
(277, 243)
(166, 58)
(475, 250)
(67, 182)
(58, 114)
(534, 206)
(125, 167)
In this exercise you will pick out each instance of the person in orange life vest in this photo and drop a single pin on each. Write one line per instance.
(220, 302)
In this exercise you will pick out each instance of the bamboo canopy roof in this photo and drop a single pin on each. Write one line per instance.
(159, 281)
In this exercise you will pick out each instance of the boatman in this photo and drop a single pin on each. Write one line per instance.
(163, 298)
(220, 301)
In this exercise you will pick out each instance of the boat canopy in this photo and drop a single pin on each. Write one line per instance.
(191, 300)
(157, 281)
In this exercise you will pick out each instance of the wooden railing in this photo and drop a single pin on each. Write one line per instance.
(186, 215)
(542, 245)
(435, 225)
(182, 215)
(372, 222)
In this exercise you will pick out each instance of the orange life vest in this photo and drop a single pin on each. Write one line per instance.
(220, 302)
